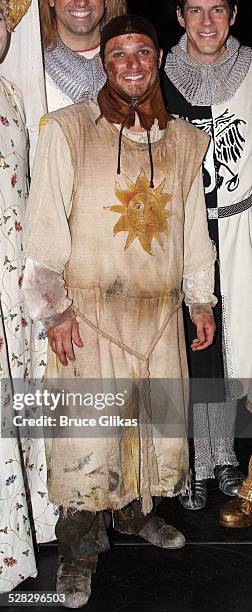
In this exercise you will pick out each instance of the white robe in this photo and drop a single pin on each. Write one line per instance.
(232, 126)
(23, 66)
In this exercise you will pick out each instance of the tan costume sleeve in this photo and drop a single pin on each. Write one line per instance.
(48, 240)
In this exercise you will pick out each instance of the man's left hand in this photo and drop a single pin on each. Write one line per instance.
(205, 326)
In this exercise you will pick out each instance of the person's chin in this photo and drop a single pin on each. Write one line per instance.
(131, 93)
(210, 45)
(136, 91)
(81, 30)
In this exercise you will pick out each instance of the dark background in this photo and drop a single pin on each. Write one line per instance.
(163, 16)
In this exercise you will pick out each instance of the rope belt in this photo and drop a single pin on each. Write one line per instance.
(229, 211)
(125, 347)
(149, 470)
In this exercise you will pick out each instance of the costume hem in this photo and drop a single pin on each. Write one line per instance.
(155, 492)
(89, 507)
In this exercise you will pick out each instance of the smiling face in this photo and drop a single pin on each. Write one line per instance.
(3, 36)
(78, 21)
(207, 24)
(132, 64)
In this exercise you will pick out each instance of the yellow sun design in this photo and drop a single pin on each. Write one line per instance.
(143, 212)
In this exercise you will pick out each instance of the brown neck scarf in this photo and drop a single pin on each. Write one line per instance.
(119, 108)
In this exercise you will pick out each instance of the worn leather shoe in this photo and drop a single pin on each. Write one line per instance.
(236, 513)
(198, 498)
(155, 531)
(160, 534)
(229, 479)
(74, 582)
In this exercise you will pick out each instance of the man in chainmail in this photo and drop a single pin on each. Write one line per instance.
(110, 211)
(54, 57)
(71, 39)
(208, 81)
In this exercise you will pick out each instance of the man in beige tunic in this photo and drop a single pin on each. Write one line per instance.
(116, 231)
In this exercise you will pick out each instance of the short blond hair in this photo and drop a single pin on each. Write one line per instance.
(114, 8)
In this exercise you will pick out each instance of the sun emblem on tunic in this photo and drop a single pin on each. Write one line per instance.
(143, 213)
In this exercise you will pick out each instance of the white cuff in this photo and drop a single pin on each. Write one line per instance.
(44, 291)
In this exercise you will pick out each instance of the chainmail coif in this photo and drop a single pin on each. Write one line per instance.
(207, 84)
(78, 77)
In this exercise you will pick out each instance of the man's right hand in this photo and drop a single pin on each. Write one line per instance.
(62, 338)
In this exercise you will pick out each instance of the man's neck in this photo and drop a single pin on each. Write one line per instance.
(79, 42)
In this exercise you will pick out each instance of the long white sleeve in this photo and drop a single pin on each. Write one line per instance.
(48, 250)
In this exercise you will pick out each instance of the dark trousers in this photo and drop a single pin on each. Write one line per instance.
(84, 534)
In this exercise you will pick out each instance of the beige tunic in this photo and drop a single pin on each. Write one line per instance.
(124, 251)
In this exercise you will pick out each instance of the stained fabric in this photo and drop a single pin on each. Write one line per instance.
(129, 314)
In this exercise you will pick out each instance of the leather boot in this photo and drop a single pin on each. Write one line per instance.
(236, 513)
(151, 528)
(74, 581)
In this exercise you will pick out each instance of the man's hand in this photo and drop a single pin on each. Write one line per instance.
(61, 339)
(205, 327)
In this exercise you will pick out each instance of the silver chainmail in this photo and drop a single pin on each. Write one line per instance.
(78, 77)
(213, 427)
(207, 84)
